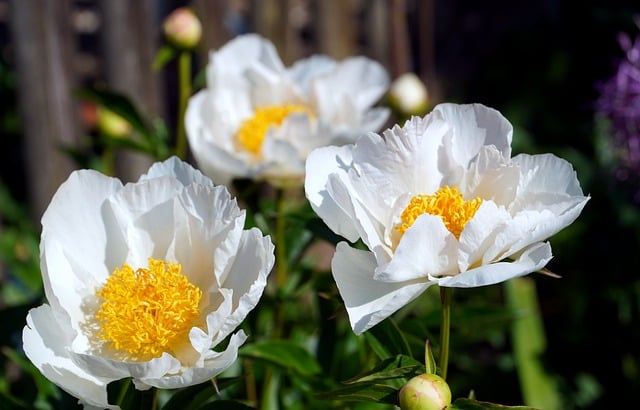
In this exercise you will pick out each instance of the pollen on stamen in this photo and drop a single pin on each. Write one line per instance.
(147, 311)
(448, 203)
(253, 131)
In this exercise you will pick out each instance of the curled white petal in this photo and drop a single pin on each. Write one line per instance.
(368, 301)
(44, 344)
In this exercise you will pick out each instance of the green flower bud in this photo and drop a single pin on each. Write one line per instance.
(408, 95)
(182, 28)
(425, 392)
(113, 125)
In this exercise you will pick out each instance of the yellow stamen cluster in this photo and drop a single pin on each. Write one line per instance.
(447, 203)
(146, 311)
(253, 131)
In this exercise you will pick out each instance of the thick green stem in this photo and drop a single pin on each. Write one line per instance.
(184, 92)
(282, 264)
(281, 249)
(445, 329)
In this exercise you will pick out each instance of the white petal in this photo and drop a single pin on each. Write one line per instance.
(426, 248)
(547, 173)
(220, 306)
(369, 228)
(321, 163)
(210, 131)
(532, 259)
(374, 119)
(103, 367)
(248, 277)
(491, 177)
(210, 234)
(368, 301)
(404, 161)
(303, 71)
(361, 80)
(73, 220)
(215, 364)
(136, 209)
(282, 159)
(297, 130)
(479, 235)
(182, 171)
(474, 126)
(246, 51)
(67, 285)
(44, 344)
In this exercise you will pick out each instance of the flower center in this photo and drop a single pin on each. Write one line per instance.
(447, 203)
(146, 311)
(253, 131)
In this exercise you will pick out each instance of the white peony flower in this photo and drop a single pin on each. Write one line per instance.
(438, 201)
(258, 119)
(142, 281)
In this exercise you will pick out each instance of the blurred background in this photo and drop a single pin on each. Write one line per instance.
(550, 66)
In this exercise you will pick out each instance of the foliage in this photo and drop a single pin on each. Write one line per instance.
(509, 344)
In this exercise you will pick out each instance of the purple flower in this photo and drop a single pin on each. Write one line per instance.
(619, 103)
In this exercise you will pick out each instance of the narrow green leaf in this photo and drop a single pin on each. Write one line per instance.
(372, 392)
(163, 56)
(391, 368)
(468, 404)
(386, 340)
(284, 354)
(429, 361)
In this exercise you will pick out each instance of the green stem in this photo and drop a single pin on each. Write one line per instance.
(184, 92)
(109, 161)
(282, 264)
(281, 249)
(445, 329)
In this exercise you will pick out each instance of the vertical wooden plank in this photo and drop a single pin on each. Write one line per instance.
(270, 18)
(212, 14)
(426, 55)
(401, 61)
(43, 43)
(337, 28)
(131, 36)
(377, 32)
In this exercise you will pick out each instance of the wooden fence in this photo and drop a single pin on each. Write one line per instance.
(59, 45)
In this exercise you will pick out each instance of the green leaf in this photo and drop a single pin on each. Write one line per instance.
(381, 384)
(396, 367)
(163, 56)
(372, 392)
(284, 354)
(468, 404)
(387, 340)
(529, 344)
(429, 361)
(225, 405)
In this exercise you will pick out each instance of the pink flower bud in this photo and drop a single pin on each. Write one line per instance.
(425, 392)
(182, 28)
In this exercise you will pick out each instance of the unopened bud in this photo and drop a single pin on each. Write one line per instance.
(112, 125)
(425, 392)
(182, 28)
(408, 95)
